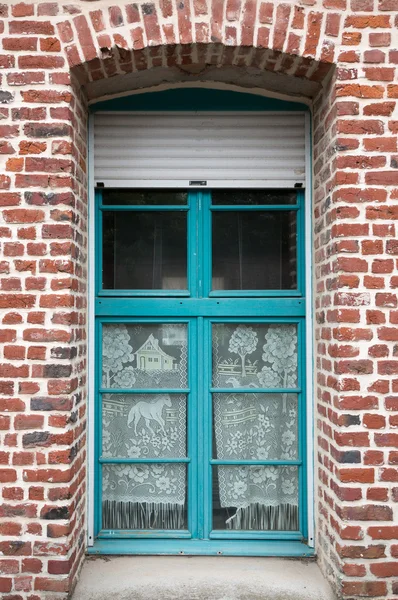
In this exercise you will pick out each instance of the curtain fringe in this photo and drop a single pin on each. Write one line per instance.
(142, 515)
(283, 517)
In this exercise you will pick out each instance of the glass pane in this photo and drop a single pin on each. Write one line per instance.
(144, 496)
(144, 355)
(255, 498)
(255, 426)
(256, 355)
(143, 197)
(253, 197)
(144, 250)
(254, 250)
(144, 426)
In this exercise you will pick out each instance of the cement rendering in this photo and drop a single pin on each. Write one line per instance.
(200, 578)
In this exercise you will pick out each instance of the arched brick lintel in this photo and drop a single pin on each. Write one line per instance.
(274, 37)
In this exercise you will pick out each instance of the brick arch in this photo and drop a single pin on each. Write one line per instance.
(269, 36)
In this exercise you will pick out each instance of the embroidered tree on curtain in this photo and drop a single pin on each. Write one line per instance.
(258, 426)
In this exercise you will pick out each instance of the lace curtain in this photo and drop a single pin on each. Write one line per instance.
(256, 426)
(144, 496)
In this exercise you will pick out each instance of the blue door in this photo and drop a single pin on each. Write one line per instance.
(200, 382)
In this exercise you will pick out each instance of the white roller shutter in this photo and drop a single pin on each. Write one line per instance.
(134, 149)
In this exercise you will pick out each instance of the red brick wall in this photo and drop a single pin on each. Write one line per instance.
(43, 226)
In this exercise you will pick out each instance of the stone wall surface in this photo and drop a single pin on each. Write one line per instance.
(339, 55)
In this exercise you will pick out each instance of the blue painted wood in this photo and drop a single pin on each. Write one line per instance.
(199, 311)
(255, 208)
(216, 461)
(144, 391)
(143, 207)
(133, 461)
(193, 444)
(242, 390)
(206, 307)
(109, 534)
(196, 99)
(270, 547)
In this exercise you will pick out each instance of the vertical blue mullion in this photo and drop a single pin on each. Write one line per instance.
(300, 258)
(200, 429)
(192, 245)
(98, 370)
(207, 244)
(98, 241)
(302, 431)
(192, 430)
(301, 369)
(208, 429)
(199, 243)
(98, 429)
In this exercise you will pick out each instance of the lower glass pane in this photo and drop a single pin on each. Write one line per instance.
(144, 425)
(260, 498)
(144, 496)
(255, 426)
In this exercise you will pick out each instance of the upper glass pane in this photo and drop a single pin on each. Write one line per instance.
(144, 250)
(144, 356)
(254, 250)
(255, 355)
(143, 197)
(253, 197)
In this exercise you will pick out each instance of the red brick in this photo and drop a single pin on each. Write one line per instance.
(379, 40)
(85, 38)
(31, 27)
(364, 588)
(357, 475)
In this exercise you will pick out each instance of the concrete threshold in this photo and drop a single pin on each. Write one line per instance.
(200, 578)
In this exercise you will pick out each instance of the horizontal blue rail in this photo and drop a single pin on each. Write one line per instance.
(255, 463)
(251, 390)
(132, 461)
(253, 208)
(206, 307)
(144, 208)
(265, 547)
(144, 391)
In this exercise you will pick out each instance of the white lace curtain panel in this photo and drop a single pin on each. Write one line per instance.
(255, 426)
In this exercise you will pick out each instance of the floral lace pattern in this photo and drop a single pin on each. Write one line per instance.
(256, 426)
(139, 483)
(245, 485)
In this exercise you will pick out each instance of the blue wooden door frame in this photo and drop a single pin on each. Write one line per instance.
(199, 307)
